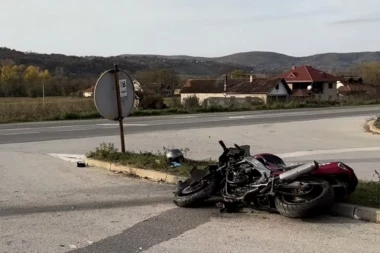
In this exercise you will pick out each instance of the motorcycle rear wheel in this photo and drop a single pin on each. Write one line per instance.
(320, 203)
(195, 193)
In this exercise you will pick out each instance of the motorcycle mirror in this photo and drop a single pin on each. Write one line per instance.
(238, 147)
(222, 144)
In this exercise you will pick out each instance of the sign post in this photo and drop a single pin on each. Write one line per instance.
(118, 95)
(115, 82)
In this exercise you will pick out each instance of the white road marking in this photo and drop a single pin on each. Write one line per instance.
(51, 127)
(75, 158)
(68, 157)
(185, 117)
(117, 124)
(21, 133)
(238, 117)
(331, 151)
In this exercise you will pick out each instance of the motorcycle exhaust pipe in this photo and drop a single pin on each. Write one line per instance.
(298, 171)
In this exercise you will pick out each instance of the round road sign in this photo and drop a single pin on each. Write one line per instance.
(105, 94)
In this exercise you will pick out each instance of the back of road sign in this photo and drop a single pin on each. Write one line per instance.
(105, 95)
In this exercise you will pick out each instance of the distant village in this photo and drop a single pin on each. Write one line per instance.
(299, 82)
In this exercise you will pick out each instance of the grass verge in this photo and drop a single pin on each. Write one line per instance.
(144, 160)
(31, 110)
(366, 194)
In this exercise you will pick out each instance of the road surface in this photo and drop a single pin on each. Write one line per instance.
(49, 205)
(29, 132)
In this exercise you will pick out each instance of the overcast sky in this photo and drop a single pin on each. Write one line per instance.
(191, 27)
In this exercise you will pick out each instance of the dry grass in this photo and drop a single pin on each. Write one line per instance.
(55, 108)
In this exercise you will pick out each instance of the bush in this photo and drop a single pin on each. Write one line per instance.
(152, 102)
(191, 103)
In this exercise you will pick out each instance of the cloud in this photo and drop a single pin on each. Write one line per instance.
(355, 21)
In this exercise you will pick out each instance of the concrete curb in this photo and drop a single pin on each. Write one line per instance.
(372, 128)
(357, 212)
(152, 175)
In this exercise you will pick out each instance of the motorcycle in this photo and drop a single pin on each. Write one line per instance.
(265, 182)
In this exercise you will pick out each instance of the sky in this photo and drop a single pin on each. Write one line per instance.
(208, 28)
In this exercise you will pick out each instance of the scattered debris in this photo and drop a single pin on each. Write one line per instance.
(72, 246)
(175, 165)
(81, 164)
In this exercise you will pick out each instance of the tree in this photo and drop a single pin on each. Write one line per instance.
(239, 74)
(370, 72)
(8, 79)
(164, 76)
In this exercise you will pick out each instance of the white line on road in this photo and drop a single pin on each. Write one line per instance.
(21, 133)
(117, 124)
(68, 157)
(75, 158)
(51, 127)
(331, 151)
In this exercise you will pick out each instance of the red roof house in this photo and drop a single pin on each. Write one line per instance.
(307, 81)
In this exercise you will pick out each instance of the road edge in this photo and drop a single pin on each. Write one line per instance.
(151, 175)
(371, 128)
(339, 209)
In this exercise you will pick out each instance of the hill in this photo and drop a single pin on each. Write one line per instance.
(75, 66)
(187, 66)
(279, 62)
(275, 62)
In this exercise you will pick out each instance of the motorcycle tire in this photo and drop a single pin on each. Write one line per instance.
(187, 198)
(322, 203)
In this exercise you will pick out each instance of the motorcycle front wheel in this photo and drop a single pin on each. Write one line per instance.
(195, 193)
(319, 198)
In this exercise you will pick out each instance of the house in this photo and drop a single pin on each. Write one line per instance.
(344, 80)
(354, 85)
(267, 89)
(306, 81)
(158, 88)
(89, 92)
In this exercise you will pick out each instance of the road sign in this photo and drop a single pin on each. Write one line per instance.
(105, 95)
(114, 97)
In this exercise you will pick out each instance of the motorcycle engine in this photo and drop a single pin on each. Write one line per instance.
(243, 178)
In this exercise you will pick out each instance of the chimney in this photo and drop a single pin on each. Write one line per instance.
(251, 78)
(294, 67)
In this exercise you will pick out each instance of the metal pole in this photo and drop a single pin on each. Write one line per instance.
(120, 118)
(43, 93)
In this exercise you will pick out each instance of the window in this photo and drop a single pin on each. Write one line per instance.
(277, 86)
(330, 85)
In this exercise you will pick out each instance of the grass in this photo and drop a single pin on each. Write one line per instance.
(144, 160)
(54, 108)
(70, 108)
(366, 194)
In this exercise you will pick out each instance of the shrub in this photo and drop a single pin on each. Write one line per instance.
(152, 102)
(191, 103)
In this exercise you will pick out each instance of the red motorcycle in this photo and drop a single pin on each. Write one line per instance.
(265, 182)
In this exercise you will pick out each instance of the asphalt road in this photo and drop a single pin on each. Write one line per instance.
(49, 205)
(44, 131)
